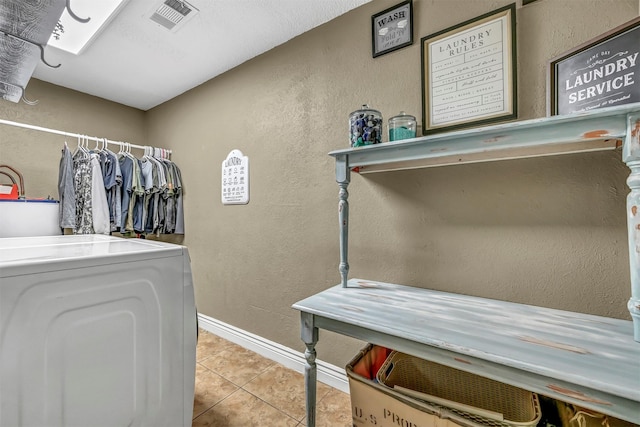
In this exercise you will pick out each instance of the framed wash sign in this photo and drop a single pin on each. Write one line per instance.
(602, 72)
(469, 73)
(392, 28)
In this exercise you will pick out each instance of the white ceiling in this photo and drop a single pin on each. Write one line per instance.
(138, 63)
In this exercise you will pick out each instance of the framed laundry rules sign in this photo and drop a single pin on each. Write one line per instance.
(392, 28)
(469, 73)
(602, 72)
(235, 179)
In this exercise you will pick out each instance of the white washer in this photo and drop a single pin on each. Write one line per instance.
(95, 331)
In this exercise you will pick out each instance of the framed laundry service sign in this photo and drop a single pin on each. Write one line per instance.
(602, 72)
(469, 73)
(235, 179)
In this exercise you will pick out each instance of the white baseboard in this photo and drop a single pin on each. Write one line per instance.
(329, 374)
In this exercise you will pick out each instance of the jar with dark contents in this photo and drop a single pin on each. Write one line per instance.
(365, 127)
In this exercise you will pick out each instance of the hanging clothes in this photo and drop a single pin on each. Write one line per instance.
(162, 183)
(136, 204)
(179, 190)
(82, 182)
(66, 192)
(150, 183)
(108, 167)
(131, 191)
(115, 207)
(126, 169)
(157, 207)
(165, 195)
(170, 198)
(100, 207)
(120, 193)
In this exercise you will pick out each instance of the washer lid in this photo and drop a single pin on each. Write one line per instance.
(28, 255)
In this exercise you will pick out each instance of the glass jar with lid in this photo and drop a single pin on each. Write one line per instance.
(402, 126)
(365, 127)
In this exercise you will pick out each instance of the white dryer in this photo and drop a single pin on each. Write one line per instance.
(95, 331)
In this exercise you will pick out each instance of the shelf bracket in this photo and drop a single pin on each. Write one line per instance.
(631, 156)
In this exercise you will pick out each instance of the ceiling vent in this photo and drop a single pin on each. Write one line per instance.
(173, 14)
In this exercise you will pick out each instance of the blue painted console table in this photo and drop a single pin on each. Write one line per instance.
(591, 361)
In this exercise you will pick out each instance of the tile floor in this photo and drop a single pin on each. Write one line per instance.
(236, 387)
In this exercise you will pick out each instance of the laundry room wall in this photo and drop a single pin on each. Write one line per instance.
(547, 231)
(37, 154)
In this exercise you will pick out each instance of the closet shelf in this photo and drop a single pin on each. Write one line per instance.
(595, 130)
(25, 28)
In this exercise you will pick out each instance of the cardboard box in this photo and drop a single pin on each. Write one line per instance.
(372, 407)
(375, 405)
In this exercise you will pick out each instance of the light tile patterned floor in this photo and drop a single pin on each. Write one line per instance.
(236, 387)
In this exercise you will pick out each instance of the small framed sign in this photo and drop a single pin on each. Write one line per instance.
(235, 179)
(469, 73)
(602, 72)
(392, 28)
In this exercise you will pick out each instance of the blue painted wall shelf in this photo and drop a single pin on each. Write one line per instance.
(591, 361)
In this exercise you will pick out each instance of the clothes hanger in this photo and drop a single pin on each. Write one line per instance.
(79, 147)
(153, 158)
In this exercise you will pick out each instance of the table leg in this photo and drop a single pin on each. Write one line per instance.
(309, 335)
(631, 156)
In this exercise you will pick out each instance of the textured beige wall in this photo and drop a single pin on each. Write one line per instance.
(37, 154)
(548, 232)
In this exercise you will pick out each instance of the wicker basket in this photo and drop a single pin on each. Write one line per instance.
(473, 397)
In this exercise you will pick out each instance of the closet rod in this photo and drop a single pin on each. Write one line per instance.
(75, 135)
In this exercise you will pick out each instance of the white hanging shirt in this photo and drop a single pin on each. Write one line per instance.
(99, 204)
